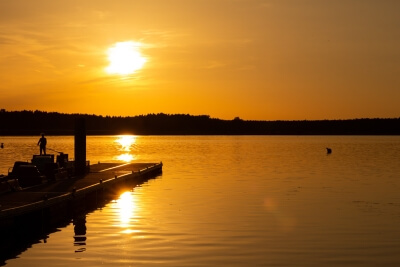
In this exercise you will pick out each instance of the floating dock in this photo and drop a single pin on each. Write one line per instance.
(52, 201)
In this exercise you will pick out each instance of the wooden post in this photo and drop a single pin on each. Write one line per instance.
(80, 146)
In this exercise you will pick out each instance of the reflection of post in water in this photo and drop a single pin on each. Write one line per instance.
(79, 222)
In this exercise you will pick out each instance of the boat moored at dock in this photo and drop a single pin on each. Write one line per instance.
(41, 169)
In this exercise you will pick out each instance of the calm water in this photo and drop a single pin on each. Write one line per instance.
(235, 201)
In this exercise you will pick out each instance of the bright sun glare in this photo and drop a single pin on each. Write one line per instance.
(126, 205)
(125, 58)
(126, 142)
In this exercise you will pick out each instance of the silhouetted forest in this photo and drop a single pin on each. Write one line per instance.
(54, 123)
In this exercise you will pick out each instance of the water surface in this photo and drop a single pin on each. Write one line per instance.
(235, 201)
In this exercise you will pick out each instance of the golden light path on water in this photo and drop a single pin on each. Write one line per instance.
(125, 157)
(126, 203)
(126, 208)
(126, 142)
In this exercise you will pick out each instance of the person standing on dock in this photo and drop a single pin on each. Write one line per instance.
(42, 143)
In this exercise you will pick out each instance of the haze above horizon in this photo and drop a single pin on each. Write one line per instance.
(253, 59)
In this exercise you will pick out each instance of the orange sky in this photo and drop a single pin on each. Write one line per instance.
(256, 59)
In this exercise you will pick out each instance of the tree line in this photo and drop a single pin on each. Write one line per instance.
(53, 123)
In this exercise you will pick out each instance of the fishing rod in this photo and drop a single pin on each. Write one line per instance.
(54, 150)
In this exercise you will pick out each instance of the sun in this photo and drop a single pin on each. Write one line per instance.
(125, 58)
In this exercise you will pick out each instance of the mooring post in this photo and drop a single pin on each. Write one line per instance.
(80, 146)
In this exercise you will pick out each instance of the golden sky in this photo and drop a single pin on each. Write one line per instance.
(255, 59)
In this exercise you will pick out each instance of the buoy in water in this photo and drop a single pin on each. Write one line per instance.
(328, 150)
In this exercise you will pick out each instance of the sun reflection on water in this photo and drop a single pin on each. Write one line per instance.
(126, 143)
(125, 157)
(126, 205)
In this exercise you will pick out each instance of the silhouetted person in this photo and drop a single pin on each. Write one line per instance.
(42, 143)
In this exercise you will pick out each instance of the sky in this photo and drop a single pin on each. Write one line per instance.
(253, 59)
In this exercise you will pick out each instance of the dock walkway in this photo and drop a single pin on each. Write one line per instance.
(101, 176)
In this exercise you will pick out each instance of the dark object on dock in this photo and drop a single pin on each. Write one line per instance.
(27, 174)
(328, 150)
(41, 169)
(46, 166)
(62, 159)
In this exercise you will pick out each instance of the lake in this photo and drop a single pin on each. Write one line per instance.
(233, 201)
